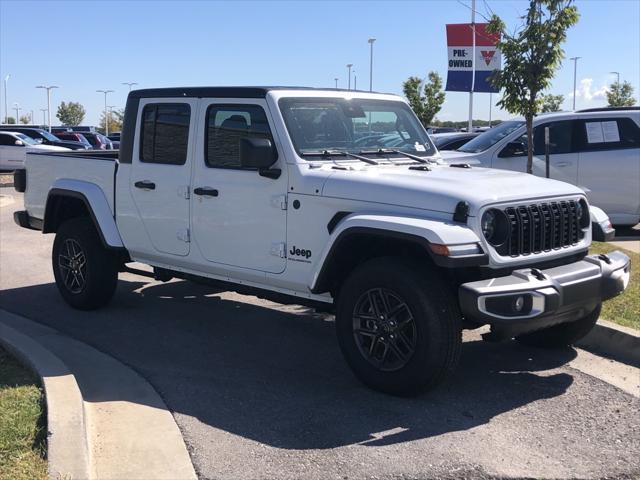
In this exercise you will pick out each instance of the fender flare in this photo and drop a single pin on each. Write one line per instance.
(422, 231)
(96, 203)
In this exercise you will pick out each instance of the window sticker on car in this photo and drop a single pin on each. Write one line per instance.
(602, 132)
(610, 130)
(419, 147)
(594, 132)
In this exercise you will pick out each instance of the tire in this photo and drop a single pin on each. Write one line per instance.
(86, 273)
(562, 335)
(430, 323)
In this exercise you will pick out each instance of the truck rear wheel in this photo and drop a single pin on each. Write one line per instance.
(398, 326)
(562, 335)
(86, 273)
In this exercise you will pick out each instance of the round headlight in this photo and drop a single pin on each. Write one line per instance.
(495, 226)
(582, 211)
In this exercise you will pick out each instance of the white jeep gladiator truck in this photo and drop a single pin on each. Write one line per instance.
(295, 195)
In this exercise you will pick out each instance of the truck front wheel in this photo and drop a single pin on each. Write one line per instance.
(562, 335)
(86, 273)
(398, 326)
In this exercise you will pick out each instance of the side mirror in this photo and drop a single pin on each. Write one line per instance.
(257, 153)
(513, 149)
(19, 143)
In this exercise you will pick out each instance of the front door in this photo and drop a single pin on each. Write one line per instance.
(238, 216)
(563, 158)
(161, 173)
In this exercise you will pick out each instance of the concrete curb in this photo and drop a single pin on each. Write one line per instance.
(67, 449)
(615, 341)
(124, 426)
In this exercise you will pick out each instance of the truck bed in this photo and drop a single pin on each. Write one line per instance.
(45, 171)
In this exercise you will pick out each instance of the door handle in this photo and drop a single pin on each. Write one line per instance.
(145, 185)
(563, 164)
(206, 191)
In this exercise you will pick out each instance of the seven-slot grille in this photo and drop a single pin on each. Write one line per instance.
(542, 227)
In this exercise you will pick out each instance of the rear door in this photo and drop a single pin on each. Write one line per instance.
(161, 172)
(239, 217)
(610, 165)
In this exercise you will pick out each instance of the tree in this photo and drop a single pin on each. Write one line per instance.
(551, 103)
(621, 95)
(427, 105)
(11, 121)
(25, 119)
(115, 121)
(70, 114)
(531, 57)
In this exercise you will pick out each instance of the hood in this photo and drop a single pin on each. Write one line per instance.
(50, 148)
(443, 187)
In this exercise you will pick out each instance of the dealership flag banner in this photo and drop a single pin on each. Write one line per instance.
(468, 71)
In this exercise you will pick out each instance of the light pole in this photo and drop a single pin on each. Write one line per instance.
(44, 120)
(32, 117)
(575, 71)
(618, 74)
(49, 88)
(355, 81)
(336, 80)
(6, 109)
(349, 65)
(106, 117)
(131, 84)
(371, 40)
(17, 108)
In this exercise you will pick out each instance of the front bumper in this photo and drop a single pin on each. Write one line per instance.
(530, 299)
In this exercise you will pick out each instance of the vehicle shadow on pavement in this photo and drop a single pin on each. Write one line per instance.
(278, 377)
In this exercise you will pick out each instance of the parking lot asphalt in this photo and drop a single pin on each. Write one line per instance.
(260, 390)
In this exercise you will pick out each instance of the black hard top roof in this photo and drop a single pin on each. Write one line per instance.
(221, 92)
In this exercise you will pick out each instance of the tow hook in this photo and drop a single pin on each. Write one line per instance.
(605, 258)
(538, 274)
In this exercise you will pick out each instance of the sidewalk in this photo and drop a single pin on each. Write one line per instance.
(104, 420)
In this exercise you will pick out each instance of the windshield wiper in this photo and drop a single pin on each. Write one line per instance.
(333, 153)
(383, 151)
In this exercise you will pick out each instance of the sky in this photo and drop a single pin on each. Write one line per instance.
(83, 46)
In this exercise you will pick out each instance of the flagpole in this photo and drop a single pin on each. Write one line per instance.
(473, 64)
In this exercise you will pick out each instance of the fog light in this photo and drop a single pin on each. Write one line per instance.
(518, 304)
(508, 305)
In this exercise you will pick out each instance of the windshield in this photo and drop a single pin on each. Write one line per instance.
(490, 137)
(49, 136)
(26, 140)
(359, 126)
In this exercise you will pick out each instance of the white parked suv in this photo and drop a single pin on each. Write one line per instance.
(270, 192)
(14, 147)
(597, 149)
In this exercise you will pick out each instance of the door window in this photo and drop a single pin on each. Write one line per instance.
(560, 138)
(226, 126)
(7, 140)
(165, 133)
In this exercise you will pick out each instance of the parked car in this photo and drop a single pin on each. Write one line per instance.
(433, 130)
(84, 128)
(14, 147)
(115, 137)
(597, 150)
(265, 191)
(451, 141)
(75, 137)
(56, 130)
(98, 141)
(44, 137)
